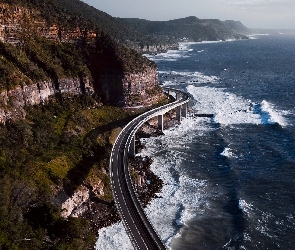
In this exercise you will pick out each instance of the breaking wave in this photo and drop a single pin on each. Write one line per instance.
(180, 196)
(229, 108)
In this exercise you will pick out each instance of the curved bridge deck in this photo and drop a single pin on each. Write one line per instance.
(137, 225)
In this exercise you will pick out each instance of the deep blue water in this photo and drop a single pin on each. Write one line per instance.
(246, 154)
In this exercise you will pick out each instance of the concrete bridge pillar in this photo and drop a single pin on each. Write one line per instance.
(131, 150)
(178, 96)
(178, 113)
(184, 110)
(160, 122)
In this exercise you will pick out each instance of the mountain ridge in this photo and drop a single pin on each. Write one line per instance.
(189, 28)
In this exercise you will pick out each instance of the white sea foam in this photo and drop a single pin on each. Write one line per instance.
(262, 225)
(185, 77)
(253, 37)
(261, 34)
(184, 46)
(245, 207)
(170, 55)
(261, 218)
(113, 237)
(182, 52)
(229, 108)
(274, 116)
(187, 44)
(227, 152)
(180, 196)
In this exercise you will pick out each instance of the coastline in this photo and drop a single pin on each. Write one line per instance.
(201, 196)
(146, 183)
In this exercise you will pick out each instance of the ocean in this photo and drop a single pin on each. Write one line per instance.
(229, 180)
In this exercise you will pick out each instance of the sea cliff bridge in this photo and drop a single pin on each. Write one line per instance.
(138, 227)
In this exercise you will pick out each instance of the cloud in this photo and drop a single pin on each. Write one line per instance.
(261, 13)
(258, 3)
(252, 13)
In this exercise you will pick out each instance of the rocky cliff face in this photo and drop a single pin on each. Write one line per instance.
(12, 102)
(131, 89)
(17, 21)
(121, 89)
(142, 88)
(122, 76)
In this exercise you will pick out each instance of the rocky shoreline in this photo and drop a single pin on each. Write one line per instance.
(102, 213)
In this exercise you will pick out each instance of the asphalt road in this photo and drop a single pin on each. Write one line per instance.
(138, 227)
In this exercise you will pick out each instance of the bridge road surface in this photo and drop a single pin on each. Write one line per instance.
(137, 225)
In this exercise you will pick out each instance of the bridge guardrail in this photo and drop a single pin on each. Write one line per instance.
(125, 139)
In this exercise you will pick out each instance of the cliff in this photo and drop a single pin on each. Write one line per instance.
(40, 60)
(122, 76)
(237, 27)
(17, 21)
(13, 102)
(131, 89)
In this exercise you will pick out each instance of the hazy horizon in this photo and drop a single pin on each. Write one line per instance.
(266, 14)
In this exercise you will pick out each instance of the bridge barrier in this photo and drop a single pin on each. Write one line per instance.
(124, 147)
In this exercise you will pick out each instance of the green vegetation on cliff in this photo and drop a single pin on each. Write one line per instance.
(189, 28)
(32, 57)
(75, 13)
(57, 149)
(39, 59)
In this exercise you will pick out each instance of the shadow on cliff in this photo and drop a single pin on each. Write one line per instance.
(92, 153)
(106, 67)
(110, 63)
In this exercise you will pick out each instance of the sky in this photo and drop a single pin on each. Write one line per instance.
(276, 14)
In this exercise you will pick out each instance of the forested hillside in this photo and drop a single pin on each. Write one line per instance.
(40, 41)
(185, 29)
(115, 27)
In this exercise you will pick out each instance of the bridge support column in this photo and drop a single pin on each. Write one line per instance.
(160, 122)
(178, 113)
(184, 110)
(131, 150)
(178, 95)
